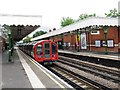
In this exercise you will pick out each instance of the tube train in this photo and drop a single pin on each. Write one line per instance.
(44, 51)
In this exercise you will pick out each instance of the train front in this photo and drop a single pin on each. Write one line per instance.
(46, 52)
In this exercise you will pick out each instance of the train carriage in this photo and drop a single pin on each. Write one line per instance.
(45, 51)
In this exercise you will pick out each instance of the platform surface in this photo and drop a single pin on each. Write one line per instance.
(13, 74)
(93, 54)
(22, 72)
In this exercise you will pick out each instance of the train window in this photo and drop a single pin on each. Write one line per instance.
(47, 48)
(39, 49)
(54, 49)
(47, 45)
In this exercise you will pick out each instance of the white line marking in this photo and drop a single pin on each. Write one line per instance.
(48, 75)
(47, 71)
(35, 82)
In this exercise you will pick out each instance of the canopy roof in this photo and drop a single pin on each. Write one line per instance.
(99, 21)
(21, 25)
(9, 19)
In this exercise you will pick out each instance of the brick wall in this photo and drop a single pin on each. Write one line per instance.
(119, 38)
(111, 35)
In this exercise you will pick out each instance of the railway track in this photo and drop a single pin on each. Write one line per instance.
(79, 75)
(106, 73)
(77, 83)
(77, 79)
(109, 62)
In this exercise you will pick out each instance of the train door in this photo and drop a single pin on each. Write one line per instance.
(47, 50)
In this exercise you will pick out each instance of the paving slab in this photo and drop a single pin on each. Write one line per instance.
(13, 74)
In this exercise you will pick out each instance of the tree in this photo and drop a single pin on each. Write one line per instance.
(66, 21)
(38, 33)
(27, 39)
(83, 16)
(113, 13)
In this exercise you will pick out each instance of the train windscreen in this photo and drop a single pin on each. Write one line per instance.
(39, 50)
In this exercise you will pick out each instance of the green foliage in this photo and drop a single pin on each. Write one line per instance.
(27, 39)
(66, 21)
(38, 33)
(113, 13)
(84, 16)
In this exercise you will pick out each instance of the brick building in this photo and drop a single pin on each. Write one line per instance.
(94, 40)
(95, 34)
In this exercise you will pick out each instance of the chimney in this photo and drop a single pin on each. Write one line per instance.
(50, 30)
(54, 29)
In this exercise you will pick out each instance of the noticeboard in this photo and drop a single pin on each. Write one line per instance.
(83, 41)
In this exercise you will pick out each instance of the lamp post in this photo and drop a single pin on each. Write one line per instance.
(9, 39)
(105, 29)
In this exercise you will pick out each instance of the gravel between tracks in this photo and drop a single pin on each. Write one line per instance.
(91, 77)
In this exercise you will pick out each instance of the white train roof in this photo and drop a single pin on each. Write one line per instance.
(99, 21)
(34, 42)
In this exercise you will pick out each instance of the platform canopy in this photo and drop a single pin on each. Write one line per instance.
(21, 25)
(80, 25)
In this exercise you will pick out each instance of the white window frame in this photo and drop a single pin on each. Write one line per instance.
(95, 33)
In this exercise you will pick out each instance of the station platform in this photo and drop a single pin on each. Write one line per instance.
(113, 56)
(24, 72)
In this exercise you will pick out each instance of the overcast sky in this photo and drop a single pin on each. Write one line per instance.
(52, 11)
